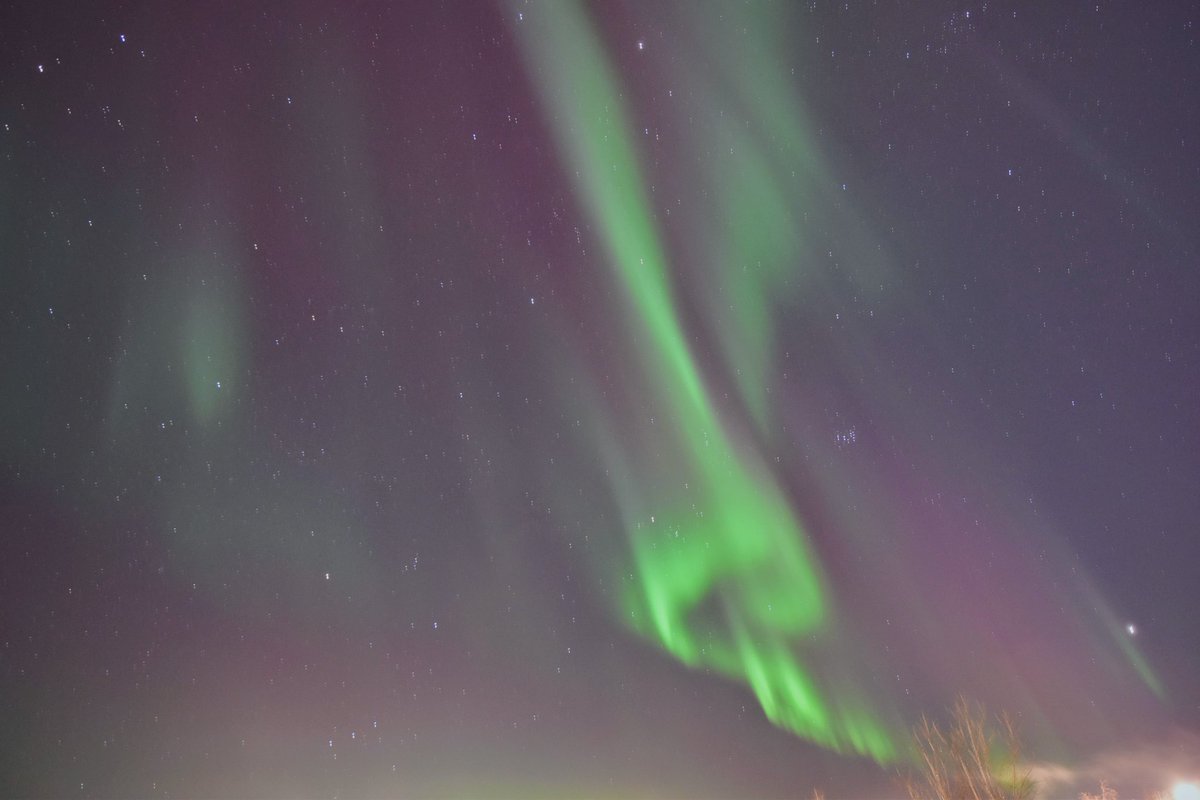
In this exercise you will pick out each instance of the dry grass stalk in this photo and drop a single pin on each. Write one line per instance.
(1109, 793)
(1106, 793)
(965, 762)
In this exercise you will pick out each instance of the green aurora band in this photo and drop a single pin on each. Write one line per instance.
(726, 578)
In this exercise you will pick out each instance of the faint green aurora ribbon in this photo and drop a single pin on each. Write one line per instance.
(725, 576)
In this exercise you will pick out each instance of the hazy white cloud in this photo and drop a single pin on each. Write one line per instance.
(1156, 769)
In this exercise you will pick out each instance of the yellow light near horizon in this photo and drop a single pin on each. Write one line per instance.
(1185, 791)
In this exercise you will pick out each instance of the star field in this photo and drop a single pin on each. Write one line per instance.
(524, 399)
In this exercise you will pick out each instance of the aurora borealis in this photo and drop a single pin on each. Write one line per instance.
(739, 539)
(570, 399)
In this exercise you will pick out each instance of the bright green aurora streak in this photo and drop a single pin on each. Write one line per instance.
(726, 577)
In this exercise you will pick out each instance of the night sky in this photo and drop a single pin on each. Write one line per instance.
(526, 399)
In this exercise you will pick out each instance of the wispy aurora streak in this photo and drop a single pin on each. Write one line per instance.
(726, 577)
